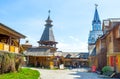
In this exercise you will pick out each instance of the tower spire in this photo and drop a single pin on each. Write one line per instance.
(47, 37)
(96, 15)
(96, 23)
(95, 33)
(96, 27)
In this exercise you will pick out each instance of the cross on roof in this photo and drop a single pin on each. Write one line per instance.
(96, 5)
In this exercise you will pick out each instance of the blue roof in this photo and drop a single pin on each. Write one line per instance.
(96, 18)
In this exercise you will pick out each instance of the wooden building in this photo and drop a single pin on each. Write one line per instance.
(75, 59)
(101, 52)
(108, 46)
(111, 28)
(9, 39)
(25, 46)
(43, 55)
(93, 61)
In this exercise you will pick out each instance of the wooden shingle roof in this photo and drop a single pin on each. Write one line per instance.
(38, 52)
(7, 30)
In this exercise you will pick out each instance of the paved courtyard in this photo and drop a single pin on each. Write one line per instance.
(68, 74)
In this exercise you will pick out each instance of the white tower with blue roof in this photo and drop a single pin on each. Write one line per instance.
(96, 30)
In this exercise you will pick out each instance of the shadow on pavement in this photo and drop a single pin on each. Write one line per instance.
(82, 73)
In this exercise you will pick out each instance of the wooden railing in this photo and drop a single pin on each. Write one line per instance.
(10, 48)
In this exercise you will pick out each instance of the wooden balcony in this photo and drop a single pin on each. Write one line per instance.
(9, 48)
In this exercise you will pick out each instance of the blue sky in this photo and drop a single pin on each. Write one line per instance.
(72, 19)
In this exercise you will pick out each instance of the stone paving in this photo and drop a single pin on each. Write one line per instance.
(68, 74)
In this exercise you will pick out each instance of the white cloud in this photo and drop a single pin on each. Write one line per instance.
(76, 45)
(74, 38)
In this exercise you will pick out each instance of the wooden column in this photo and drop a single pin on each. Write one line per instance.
(28, 60)
(19, 45)
(51, 62)
(10, 42)
(35, 62)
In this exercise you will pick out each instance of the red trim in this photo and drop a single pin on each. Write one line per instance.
(116, 60)
(111, 60)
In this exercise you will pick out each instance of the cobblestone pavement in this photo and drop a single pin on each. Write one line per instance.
(69, 74)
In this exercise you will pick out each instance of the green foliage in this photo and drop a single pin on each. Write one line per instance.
(5, 63)
(11, 55)
(107, 70)
(24, 73)
(1, 57)
(10, 62)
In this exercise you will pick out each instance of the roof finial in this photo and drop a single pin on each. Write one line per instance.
(49, 12)
(48, 21)
(96, 5)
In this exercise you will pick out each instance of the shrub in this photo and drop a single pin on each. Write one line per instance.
(10, 62)
(107, 70)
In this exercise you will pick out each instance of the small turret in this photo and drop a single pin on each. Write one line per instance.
(96, 23)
